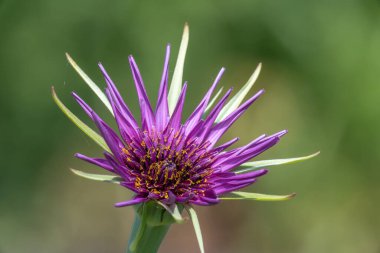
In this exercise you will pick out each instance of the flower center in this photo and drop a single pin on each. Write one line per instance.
(169, 165)
(163, 174)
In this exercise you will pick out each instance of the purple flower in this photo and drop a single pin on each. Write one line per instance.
(168, 158)
(171, 160)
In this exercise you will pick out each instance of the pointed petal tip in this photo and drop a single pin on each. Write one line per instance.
(258, 196)
(186, 28)
(74, 94)
(282, 133)
(120, 204)
(131, 202)
(257, 71)
(312, 155)
(68, 57)
(100, 65)
(77, 172)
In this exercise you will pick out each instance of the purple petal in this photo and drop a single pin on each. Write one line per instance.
(147, 116)
(239, 182)
(134, 201)
(241, 177)
(198, 112)
(237, 160)
(175, 119)
(200, 202)
(251, 144)
(119, 168)
(131, 186)
(230, 188)
(226, 145)
(115, 98)
(86, 108)
(220, 128)
(109, 136)
(213, 114)
(211, 201)
(96, 161)
(278, 134)
(162, 109)
(126, 127)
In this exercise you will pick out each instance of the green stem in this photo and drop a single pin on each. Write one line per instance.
(146, 237)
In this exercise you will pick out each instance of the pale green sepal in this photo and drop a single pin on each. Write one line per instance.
(213, 100)
(238, 98)
(176, 84)
(82, 126)
(174, 211)
(197, 227)
(258, 196)
(90, 83)
(98, 177)
(266, 163)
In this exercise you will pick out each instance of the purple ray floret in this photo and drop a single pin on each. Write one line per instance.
(171, 159)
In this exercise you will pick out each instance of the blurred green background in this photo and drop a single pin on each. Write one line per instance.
(321, 73)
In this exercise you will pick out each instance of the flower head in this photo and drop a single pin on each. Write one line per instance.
(170, 159)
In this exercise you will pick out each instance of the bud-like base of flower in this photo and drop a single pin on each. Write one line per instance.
(150, 227)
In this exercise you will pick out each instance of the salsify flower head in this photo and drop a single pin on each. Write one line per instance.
(171, 160)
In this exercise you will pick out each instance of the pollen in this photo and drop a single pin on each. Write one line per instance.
(168, 168)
